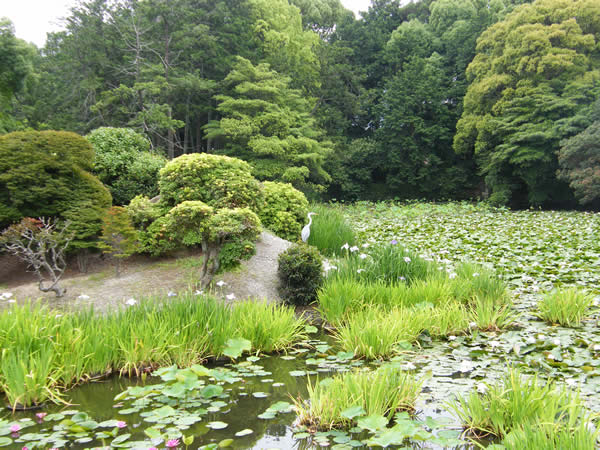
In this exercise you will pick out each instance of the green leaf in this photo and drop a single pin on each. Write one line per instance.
(153, 433)
(373, 422)
(4, 441)
(235, 347)
(352, 412)
(225, 443)
(244, 432)
(310, 329)
(217, 425)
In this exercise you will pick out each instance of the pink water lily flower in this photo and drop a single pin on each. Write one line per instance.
(41, 416)
(172, 443)
(15, 428)
(121, 424)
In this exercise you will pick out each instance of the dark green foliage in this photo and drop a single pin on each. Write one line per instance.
(579, 161)
(219, 181)
(46, 174)
(13, 61)
(157, 239)
(118, 239)
(283, 210)
(300, 272)
(533, 75)
(232, 253)
(124, 163)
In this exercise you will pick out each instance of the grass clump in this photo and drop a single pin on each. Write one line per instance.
(44, 352)
(374, 333)
(329, 230)
(566, 307)
(516, 403)
(381, 392)
(549, 436)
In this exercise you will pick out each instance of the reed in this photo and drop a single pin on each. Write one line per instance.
(566, 307)
(330, 230)
(381, 392)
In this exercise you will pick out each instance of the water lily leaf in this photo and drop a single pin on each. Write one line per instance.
(176, 390)
(235, 347)
(322, 348)
(225, 443)
(4, 441)
(297, 373)
(281, 407)
(287, 357)
(108, 423)
(153, 433)
(344, 356)
(372, 423)
(217, 425)
(387, 438)
(244, 432)
(267, 415)
(302, 435)
(55, 416)
(353, 412)
(342, 439)
(120, 439)
(310, 329)
(260, 394)
(252, 358)
(129, 411)
(212, 390)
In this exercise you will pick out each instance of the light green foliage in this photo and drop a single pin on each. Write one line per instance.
(579, 161)
(124, 163)
(286, 45)
(46, 174)
(532, 76)
(157, 239)
(219, 181)
(14, 64)
(268, 123)
(519, 401)
(234, 223)
(118, 239)
(143, 212)
(283, 209)
(566, 307)
(300, 274)
(546, 436)
(188, 222)
(381, 392)
(330, 231)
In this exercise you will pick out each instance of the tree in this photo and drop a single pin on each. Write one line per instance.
(579, 162)
(14, 65)
(118, 239)
(217, 180)
(124, 163)
(46, 173)
(194, 222)
(268, 124)
(41, 243)
(533, 75)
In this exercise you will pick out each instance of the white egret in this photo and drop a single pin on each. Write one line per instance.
(306, 230)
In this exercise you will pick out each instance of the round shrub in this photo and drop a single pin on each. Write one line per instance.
(283, 209)
(45, 173)
(143, 211)
(124, 163)
(218, 181)
(300, 274)
(188, 222)
(157, 239)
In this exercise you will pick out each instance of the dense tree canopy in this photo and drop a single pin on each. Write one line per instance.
(533, 75)
(380, 106)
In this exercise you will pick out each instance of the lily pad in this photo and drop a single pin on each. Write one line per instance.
(217, 425)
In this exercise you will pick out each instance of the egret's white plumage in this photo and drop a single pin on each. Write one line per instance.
(306, 230)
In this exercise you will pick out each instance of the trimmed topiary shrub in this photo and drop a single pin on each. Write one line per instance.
(219, 181)
(45, 174)
(157, 239)
(283, 210)
(300, 274)
(124, 163)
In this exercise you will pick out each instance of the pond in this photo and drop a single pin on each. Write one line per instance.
(254, 407)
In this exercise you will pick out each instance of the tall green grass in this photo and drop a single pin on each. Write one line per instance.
(519, 402)
(44, 352)
(381, 392)
(330, 230)
(566, 307)
(549, 436)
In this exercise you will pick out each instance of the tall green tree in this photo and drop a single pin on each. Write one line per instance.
(269, 124)
(533, 74)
